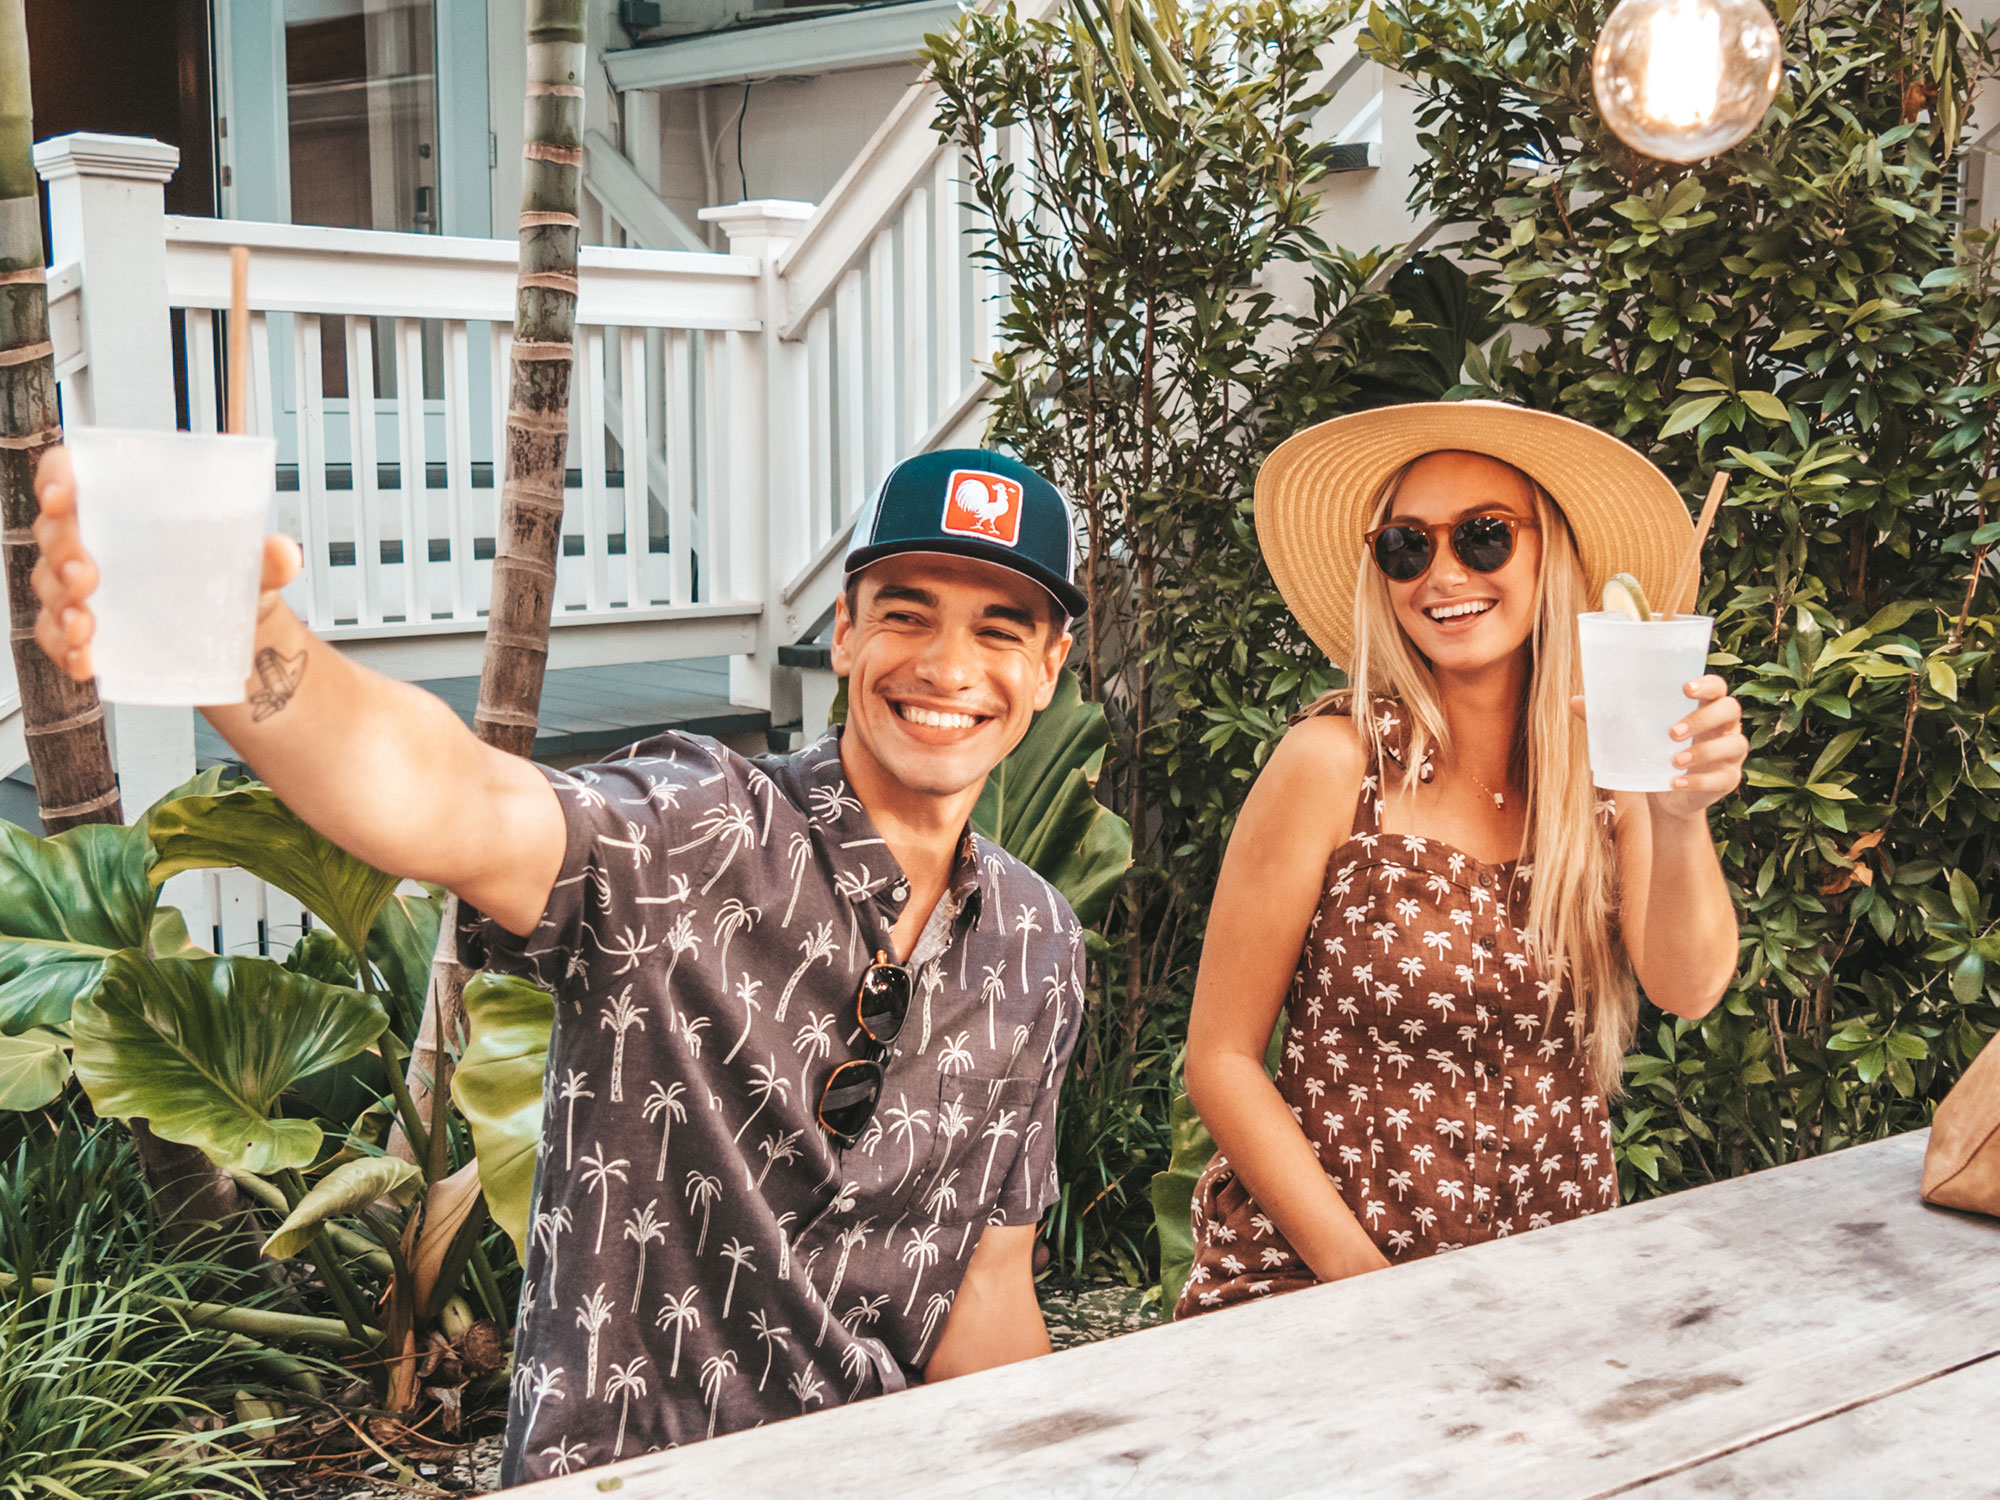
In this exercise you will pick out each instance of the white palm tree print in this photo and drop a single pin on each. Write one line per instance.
(850, 1237)
(740, 1257)
(814, 1041)
(663, 1103)
(921, 1251)
(621, 1016)
(818, 947)
(680, 1314)
(746, 996)
(1026, 922)
(765, 1081)
(903, 1124)
(592, 1316)
(778, 1146)
(935, 1307)
(854, 1361)
(548, 1226)
(543, 1382)
(1000, 1128)
(992, 990)
(625, 1383)
(731, 918)
(645, 1227)
(563, 1457)
(702, 1193)
(771, 1336)
(598, 1173)
(805, 1385)
(716, 1369)
(572, 1090)
(798, 850)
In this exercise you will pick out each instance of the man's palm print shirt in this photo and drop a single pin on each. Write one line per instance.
(701, 1259)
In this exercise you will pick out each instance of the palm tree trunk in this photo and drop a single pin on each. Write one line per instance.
(531, 496)
(74, 781)
(68, 750)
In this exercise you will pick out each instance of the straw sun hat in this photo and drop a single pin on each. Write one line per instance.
(1315, 495)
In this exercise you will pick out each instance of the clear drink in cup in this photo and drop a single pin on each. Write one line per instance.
(1634, 676)
(175, 522)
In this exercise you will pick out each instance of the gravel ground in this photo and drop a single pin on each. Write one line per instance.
(1075, 1314)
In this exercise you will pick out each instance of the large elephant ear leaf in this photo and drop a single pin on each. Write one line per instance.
(34, 1066)
(1040, 804)
(402, 945)
(202, 1049)
(347, 1189)
(497, 1086)
(247, 826)
(67, 904)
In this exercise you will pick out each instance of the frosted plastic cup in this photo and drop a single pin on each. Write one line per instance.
(175, 522)
(1635, 673)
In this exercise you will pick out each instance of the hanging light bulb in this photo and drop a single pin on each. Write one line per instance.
(1684, 79)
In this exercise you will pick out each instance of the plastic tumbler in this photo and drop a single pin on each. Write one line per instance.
(1634, 676)
(175, 522)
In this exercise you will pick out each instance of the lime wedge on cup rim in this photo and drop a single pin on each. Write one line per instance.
(1623, 596)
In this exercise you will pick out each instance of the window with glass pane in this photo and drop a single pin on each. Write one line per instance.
(361, 95)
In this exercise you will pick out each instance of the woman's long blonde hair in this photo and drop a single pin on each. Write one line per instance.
(1572, 909)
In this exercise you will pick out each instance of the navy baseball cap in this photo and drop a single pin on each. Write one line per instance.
(970, 502)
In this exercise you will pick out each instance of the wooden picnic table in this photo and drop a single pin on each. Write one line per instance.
(1815, 1330)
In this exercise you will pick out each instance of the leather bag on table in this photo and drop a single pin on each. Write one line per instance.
(1962, 1162)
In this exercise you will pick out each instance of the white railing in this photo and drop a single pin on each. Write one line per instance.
(398, 513)
(888, 317)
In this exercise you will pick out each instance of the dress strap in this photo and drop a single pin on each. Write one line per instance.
(1390, 739)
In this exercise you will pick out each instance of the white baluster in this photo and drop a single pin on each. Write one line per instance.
(949, 276)
(199, 328)
(366, 495)
(313, 514)
(587, 401)
(414, 514)
(850, 407)
(636, 442)
(820, 505)
(458, 467)
(678, 400)
(486, 519)
(882, 384)
(918, 331)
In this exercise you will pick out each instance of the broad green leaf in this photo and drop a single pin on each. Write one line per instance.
(1173, 1195)
(1689, 413)
(344, 1190)
(1968, 979)
(497, 1086)
(202, 1049)
(34, 1066)
(401, 946)
(66, 905)
(1765, 405)
(1943, 677)
(1040, 804)
(248, 827)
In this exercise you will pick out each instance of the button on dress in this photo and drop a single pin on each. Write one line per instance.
(1432, 1060)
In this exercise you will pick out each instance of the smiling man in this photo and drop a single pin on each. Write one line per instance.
(810, 1028)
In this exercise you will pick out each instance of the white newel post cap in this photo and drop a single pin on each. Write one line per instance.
(135, 158)
(766, 219)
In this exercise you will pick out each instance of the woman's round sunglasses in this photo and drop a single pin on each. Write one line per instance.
(847, 1103)
(1405, 552)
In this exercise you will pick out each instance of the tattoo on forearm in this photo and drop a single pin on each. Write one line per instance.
(280, 676)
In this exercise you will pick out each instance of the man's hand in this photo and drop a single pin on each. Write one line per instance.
(65, 577)
(995, 1319)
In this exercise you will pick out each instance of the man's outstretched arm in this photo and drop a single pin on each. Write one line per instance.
(383, 769)
(995, 1319)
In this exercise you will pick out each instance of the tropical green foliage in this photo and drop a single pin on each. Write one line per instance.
(1806, 312)
(283, 1073)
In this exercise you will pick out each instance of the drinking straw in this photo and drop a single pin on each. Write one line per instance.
(1687, 577)
(239, 339)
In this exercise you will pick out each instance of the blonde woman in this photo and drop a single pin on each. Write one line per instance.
(1423, 874)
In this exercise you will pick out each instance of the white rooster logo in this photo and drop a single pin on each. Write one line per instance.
(987, 505)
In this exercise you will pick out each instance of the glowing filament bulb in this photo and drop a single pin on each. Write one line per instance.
(1683, 75)
(1684, 79)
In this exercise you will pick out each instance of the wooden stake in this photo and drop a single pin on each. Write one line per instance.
(239, 339)
(1687, 577)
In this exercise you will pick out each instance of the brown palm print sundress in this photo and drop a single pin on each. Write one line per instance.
(1447, 1100)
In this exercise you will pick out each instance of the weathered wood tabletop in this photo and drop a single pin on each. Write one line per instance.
(1813, 1330)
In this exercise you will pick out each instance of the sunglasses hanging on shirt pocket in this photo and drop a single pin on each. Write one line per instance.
(881, 1003)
